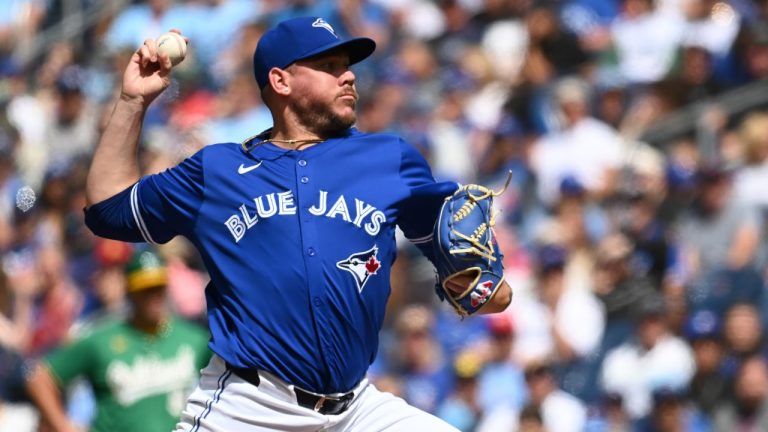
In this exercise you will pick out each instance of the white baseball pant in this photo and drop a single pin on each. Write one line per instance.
(224, 402)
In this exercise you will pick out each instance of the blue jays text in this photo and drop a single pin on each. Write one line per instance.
(303, 238)
(284, 205)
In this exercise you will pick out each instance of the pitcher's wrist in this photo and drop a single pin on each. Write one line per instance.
(137, 102)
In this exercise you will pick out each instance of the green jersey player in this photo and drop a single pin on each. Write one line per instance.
(141, 368)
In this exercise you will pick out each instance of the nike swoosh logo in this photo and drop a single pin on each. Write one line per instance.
(242, 169)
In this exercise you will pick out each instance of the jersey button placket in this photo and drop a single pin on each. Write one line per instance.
(302, 163)
(307, 197)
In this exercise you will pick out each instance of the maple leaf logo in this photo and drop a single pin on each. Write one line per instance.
(361, 266)
(372, 265)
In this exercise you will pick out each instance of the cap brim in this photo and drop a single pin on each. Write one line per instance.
(148, 278)
(358, 49)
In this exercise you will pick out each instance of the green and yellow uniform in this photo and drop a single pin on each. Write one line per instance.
(140, 381)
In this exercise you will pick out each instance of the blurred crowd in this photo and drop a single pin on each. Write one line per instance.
(638, 265)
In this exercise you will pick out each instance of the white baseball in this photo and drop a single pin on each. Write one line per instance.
(174, 45)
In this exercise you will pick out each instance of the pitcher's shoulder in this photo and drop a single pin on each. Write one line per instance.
(378, 138)
(214, 154)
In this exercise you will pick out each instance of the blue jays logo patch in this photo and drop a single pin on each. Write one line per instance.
(361, 266)
(321, 23)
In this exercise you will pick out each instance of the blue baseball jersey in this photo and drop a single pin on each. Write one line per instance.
(299, 245)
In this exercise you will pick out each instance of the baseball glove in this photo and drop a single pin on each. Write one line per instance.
(465, 249)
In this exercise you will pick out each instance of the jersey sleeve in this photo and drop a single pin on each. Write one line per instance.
(71, 361)
(155, 209)
(418, 211)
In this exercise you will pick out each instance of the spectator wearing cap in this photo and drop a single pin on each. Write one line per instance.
(574, 220)
(72, 130)
(636, 207)
(619, 289)
(584, 147)
(609, 415)
(501, 381)
(558, 321)
(419, 360)
(461, 408)
(501, 390)
(718, 232)
(106, 297)
(672, 412)
(654, 359)
(710, 386)
(449, 131)
(582, 223)
(141, 367)
(719, 240)
(747, 411)
(560, 411)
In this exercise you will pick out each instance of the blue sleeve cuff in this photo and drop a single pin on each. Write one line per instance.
(113, 218)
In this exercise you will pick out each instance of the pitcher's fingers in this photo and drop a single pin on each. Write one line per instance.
(177, 31)
(152, 45)
(165, 62)
(145, 55)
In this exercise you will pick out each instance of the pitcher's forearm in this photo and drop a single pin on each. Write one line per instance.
(115, 165)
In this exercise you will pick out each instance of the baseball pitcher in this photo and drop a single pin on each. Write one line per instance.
(296, 226)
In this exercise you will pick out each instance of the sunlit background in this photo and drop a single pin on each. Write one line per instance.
(633, 231)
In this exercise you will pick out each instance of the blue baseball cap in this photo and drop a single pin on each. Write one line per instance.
(301, 38)
(571, 186)
(551, 257)
(703, 324)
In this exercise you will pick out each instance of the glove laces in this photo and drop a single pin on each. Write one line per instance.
(482, 249)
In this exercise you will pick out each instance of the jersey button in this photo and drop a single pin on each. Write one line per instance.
(305, 179)
(311, 252)
(317, 301)
(302, 162)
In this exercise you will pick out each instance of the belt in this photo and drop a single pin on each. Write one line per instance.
(323, 404)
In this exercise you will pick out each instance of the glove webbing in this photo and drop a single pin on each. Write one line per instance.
(485, 251)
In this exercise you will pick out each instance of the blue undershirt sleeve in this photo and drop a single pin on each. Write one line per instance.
(113, 219)
(155, 209)
(418, 212)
